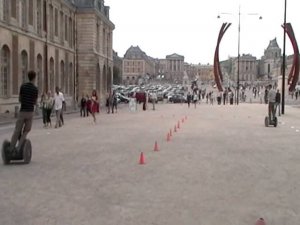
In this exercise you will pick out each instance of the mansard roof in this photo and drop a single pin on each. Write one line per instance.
(134, 52)
(273, 44)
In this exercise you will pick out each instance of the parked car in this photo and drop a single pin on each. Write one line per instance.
(122, 98)
(177, 99)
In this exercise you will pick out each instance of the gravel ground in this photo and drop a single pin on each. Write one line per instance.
(222, 166)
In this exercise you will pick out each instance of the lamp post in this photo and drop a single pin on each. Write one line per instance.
(239, 44)
(283, 62)
(238, 69)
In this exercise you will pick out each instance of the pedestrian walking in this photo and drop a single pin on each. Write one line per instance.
(189, 99)
(94, 105)
(195, 99)
(49, 107)
(44, 109)
(58, 105)
(114, 102)
(83, 106)
(64, 107)
(278, 101)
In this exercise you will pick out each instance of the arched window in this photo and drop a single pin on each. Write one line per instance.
(62, 77)
(39, 72)
(51, 74)
(24, 66)
(70, 79)
(98, 76)
(5, 71)
(104, 78)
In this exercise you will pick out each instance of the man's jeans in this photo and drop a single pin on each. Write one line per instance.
(23, 127)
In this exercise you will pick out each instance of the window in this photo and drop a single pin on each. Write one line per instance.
(45, 15)
(70, 81)
(66, 28)
(24, 66)
(61, 29)
(70, 33)
(39, 72)
(30, 12)
(62, 76)
(51, 22)
(13, 8)
(5, 71)
(23, 12)
(6, 10)
(56, 22)
(51, 74)
(97, 37)
(103, 42)
(39, 17)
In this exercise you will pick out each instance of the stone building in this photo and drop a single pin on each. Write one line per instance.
(248, 68)
(137, 65)
(67, 42)
(270, 61)
(175, 67)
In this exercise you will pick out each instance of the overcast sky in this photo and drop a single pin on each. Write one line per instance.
(190, 27)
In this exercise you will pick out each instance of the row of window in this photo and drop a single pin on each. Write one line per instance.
(34, 13)
(62, 78)
(132, 70)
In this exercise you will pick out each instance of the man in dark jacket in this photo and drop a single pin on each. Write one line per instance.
(28, 98)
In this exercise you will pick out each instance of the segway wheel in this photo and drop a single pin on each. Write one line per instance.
(275, 122)
(266, 121)
(4, 152)
(27, 151)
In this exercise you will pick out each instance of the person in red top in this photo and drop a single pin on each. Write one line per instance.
(94, 104)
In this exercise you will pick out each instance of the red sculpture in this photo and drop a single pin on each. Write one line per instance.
(294, 73)
(217, 68)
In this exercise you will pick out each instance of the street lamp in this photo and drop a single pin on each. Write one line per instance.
(239, 44)
(283, 62)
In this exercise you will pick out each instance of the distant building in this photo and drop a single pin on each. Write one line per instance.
(270, 61)
(67, 42)
(117, 69)
(137, 65)
(175, 67)
(248, 68)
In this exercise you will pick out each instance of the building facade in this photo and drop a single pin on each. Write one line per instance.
(57, 39)
(270, 61)
(248, 68)
(136, 66)
(175, 67)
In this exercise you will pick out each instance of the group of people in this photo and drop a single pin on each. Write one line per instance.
(89, 105)
(54, 102)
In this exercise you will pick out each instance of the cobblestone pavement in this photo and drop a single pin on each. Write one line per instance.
(222, 166)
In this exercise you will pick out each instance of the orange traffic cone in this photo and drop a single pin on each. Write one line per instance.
(175, 129)
(168, 137)
(170, 132)
(155, 146)
(142, 159)
(260, 221)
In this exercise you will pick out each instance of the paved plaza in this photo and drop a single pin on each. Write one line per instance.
(221, 167)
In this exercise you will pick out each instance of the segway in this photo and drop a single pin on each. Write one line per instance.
(23, 153)
(269, 121)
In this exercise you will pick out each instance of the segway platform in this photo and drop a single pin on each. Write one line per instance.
(24, 154)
